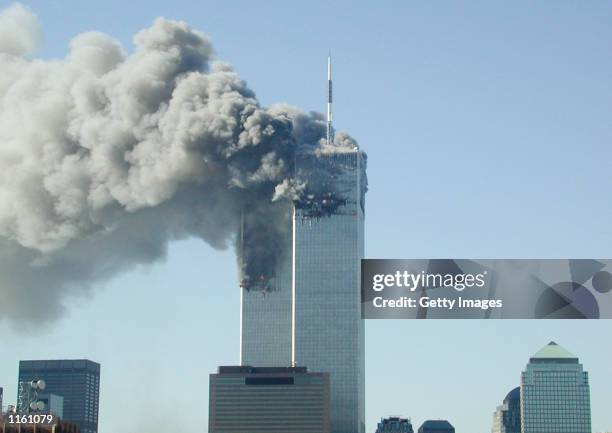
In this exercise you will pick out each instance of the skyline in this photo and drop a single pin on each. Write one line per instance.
(548, 85)
(542, 358)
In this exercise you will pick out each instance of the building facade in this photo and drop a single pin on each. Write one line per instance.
(394, 424)
(507, 417)
(436, 426)
(312, 317)
(77, 381)
(555, 396)
(54, 404)
(247, 399)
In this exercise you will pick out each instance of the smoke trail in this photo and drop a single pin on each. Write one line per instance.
(105, 157)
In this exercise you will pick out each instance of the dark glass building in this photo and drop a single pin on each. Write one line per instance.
(436, 426)
(77, 381)
(555, 394)
(394, 424)
(507, 417)
(245, 399)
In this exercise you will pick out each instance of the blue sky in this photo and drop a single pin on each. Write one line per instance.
(489, 135)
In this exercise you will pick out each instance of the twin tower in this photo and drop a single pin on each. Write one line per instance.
(312, 318)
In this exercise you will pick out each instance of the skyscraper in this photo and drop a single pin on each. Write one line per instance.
(507, 417)
(77, 381)
(247, 399)
(555, 393)
(311, 317)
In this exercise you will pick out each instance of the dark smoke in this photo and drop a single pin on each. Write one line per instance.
(106, 157)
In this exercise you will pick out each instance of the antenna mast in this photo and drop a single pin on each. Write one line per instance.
(330, 128)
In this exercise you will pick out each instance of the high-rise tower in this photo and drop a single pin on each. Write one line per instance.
(312, 316)
(77, 381)
(555, 393)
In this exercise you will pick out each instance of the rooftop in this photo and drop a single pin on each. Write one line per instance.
(553, 351)
(438, 424)
(248, 369)
(515, 394)
(58, 364)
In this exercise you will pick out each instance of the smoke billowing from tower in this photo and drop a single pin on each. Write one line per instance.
(106, 157)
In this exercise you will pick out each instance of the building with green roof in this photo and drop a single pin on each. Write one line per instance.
(555, 396)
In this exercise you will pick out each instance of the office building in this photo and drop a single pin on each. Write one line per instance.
(555, 396)
(1, 395)
(312, 314)
(77, 381)
(394, 424)
(436, 426)
(507, 417)
(245, 399)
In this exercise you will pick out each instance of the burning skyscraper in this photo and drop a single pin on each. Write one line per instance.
(310, 314)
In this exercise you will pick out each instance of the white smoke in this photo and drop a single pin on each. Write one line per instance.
(20, 31)
(105, 157)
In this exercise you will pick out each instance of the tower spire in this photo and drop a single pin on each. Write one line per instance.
(330, 128)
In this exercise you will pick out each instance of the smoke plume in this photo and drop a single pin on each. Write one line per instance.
(106, 157)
